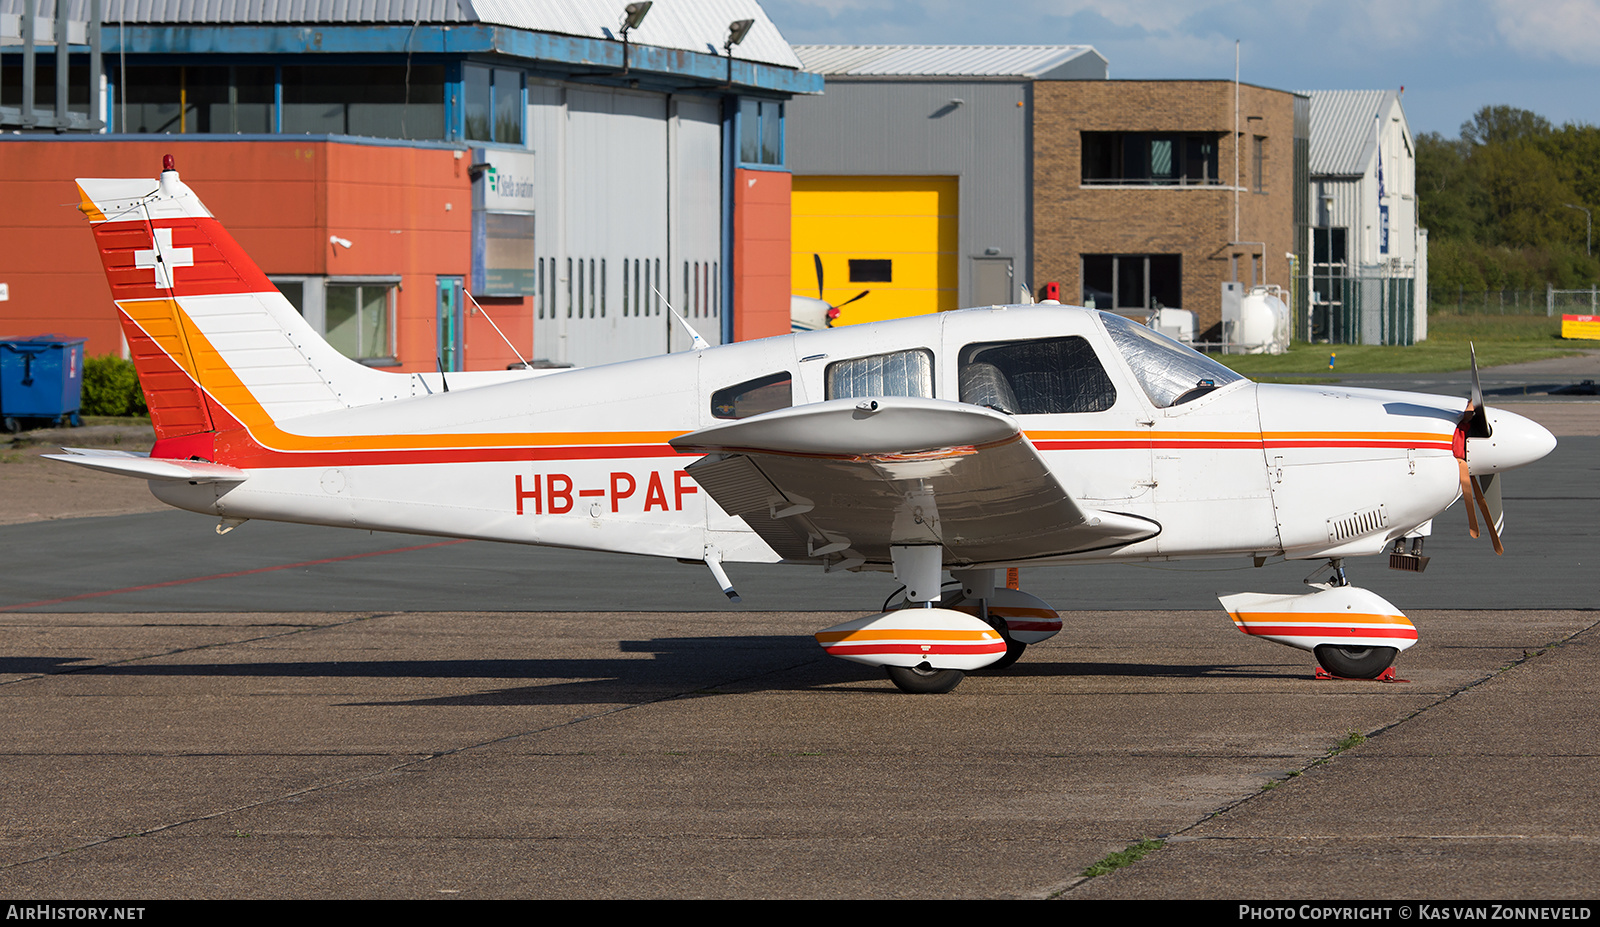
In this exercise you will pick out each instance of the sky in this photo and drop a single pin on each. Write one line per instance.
(1453, 57)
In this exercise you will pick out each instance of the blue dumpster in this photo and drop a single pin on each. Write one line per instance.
(41, 378)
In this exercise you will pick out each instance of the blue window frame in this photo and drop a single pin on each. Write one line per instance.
(761, 133)
(494, 108)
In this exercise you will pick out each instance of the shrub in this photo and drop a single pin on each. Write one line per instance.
(111, 387)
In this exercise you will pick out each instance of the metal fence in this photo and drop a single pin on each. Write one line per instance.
(1572, 302)
(1357, 310)
(1547, 301)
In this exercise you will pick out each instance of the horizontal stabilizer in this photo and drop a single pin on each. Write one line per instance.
(124, 463)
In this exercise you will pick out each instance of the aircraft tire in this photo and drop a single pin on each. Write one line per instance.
(1014, 651)
(1355, 662)
(924, 680)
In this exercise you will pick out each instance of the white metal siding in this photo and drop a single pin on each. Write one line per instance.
(696, 217)
(616, 214)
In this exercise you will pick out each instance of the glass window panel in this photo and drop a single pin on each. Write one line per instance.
(1098, 270)
(294, 292)
(1130, 282)
(754, 397)
(1161, 159)
(508, 259)
(381, 104)
(478, 113)
(1048, 376)
(343, 315)
(749, 130)
(771, 133)
(1166, 281)
(375, 321)
(508, 106)
(1170, 373)
(903, 373)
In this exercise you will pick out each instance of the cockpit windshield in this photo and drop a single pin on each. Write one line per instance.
(1170, 373)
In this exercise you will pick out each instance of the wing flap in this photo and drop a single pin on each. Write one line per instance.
(855, 478)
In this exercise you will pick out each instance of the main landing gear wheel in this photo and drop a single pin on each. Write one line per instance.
(1355, 662)
(1014, 649)
(924, 679)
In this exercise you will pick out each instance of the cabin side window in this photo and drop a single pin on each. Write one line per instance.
(1042, 377)
(754, 397)
(903, 373)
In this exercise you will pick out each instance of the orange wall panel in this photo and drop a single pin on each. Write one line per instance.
(760, 254)
(280, 199)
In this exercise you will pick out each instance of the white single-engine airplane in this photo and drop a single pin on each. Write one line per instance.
(967, 441)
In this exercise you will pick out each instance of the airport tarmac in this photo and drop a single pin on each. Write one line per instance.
(305, 713)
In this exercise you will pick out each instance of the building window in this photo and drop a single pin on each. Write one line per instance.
(871, 271)
(359, 320)
(1133, 283)
(1258, 156)
(760, 132)
(494, 107)
(1329, 266)
(375, 101)
(1157, 159)
(180, 100)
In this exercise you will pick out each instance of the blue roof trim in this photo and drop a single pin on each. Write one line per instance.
(285, 138)
(570, 55)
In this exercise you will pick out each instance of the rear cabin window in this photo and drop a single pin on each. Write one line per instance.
(903, 373)
(754, 397)
(1041, 377)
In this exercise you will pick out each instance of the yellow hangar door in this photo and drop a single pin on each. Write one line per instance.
(894, 237)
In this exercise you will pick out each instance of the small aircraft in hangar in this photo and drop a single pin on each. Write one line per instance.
(967, 442)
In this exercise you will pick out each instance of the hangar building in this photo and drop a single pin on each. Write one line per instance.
(381, 160)
(945, 176)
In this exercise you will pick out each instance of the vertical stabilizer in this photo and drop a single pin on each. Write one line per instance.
(216, 345)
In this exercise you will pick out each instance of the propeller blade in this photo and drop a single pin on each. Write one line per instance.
(1478, 493)
(1468, 492)
(817, 259)
(1486, 490)
(1479, 426)
(852, 299)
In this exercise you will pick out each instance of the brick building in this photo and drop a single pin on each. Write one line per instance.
(1142, 198)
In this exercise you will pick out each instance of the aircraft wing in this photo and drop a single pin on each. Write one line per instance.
(847, 479)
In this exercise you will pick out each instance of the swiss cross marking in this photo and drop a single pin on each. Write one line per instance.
(163, 258)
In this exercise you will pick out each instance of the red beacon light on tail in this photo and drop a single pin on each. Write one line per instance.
(168, 164)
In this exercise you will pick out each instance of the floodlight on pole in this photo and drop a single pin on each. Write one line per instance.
(1588, 221)
(632, 18)
(737, 30)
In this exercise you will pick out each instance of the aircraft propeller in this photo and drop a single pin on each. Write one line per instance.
(833, 311)
(1483, 490)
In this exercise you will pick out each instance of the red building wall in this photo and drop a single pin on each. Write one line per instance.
(406, 211)
(760, 254)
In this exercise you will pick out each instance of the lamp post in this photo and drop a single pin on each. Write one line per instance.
(632, 18)
(1588, 221)
(737, 30)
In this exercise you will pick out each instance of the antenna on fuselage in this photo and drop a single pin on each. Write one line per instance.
(497, 331)
(699, 342)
